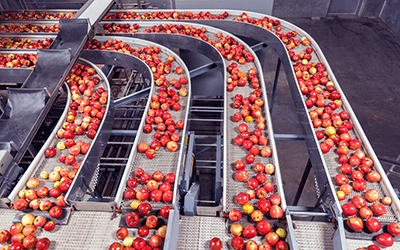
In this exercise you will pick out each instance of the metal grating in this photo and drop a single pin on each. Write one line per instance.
(314, 235)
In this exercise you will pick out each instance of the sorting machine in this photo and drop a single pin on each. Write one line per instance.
(204, 161)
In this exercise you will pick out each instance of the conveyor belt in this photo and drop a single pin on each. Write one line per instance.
(42, 163)
(233, 152)
(314, 235)
(165, 161)
(85, 230)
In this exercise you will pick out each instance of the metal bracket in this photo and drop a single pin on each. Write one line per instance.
(191, 200)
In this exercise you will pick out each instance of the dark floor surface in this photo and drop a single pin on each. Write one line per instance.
(364, 56)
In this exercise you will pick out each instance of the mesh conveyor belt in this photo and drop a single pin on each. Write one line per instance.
(85, 230)
(235, 152)
(195, 232)
(314, 235)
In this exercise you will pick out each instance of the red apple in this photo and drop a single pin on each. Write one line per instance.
(384, 240)
(237, 243)
(373, 225)
(215, 244)
(355, 223)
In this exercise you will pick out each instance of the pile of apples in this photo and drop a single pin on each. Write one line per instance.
(131, 243)
(35, 15)
(22, 234)
(31, 197)
(151, 188)
(262, 228)
(30, 28)
(120, 28)
(24, 43)
(143, 208)
(17, 60)
(159, 15)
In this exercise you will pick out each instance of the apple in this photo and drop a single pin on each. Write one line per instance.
(242, 198)
(42, 192)
(235, 215)
(276, 212)
(355, 223)
(135, 204)
(138, 243)
(394, 229)
(373, 225)
(373, 176)
(236, 229)
(51, 152)
(44, 175)
(167, 196)
(358, 201)
(29, 242)
(128, 241)
(281, 245)
(43, 244)
(248, 208)
(29, 230)
(249, 232)
(170, 178)
(384, 240)
(349, 209)
(33, 182)
(264, 205)
(55, 192)
(49, 226)
(55, 212)
(158, 176)
(155, 241)
(39, 221)
(269, 168)
(241, 175)
(144, 208)
(346, 188)
(4, 236)
(35, 204)
(366, 213)
(275, 199)
(378, 209)
(27, 219)
(341, 179)
(251, 245)
(272, 238)
(16, 228)
(31, 195)
(164, 212)
(257, 215)
(386, 201)
(360, 185)
(263, 227)
(132, 219)
(152, 185)
(237, 243)
(371, 195)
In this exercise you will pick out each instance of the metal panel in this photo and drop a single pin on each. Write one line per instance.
(340, 7)
(371, 8)
(261, 6)
(306, 8)
(391, 15)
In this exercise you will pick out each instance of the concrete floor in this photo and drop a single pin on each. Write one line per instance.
(364, 56)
